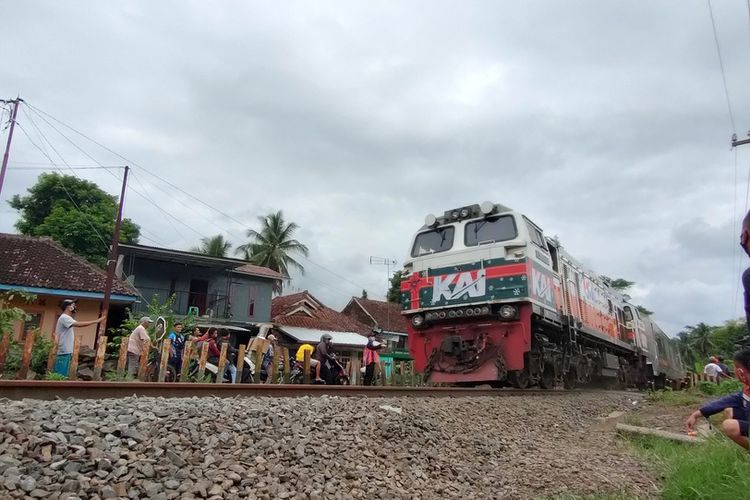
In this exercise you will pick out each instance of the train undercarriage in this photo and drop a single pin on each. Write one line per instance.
(554, 355)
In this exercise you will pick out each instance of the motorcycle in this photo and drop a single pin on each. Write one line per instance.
(336, 374)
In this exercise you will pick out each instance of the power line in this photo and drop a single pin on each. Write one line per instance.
(721, 66)
(217, 210)
(70, 167)
(62, 185)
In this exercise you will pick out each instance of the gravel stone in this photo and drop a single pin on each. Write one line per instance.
(318, 448)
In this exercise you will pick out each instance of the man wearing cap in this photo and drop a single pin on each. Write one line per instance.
(65, 334)
(137, 341)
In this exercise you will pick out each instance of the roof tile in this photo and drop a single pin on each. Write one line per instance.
(43, 263)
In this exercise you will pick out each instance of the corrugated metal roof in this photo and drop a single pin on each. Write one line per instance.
(312, 335)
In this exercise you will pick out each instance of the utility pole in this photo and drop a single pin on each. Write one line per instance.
(384, 261)
(740, 142)
(16, 103)
(112, 259)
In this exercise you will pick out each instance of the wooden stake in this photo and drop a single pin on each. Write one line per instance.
(306, 368)
(28, 344)
(274, 366)
(222, 361)
(52, 358)
(381, 366)
(73, 370)
(240, 364)
(122, 361)
(164, 360)
(402, 374)
(260, 349)
(99, 361)
(202, 361)
(187, 353)
(356, 372)
(287, 362)
(4, 345)
(644, 431)
(143, 361)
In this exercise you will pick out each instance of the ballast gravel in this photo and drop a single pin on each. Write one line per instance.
(316, 448)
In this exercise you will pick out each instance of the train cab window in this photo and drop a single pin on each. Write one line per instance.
(628, 313)
(434, 241)
(536, 236)
(491, 229)
(609, 302)
(553, 253)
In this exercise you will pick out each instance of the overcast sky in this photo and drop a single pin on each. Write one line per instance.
(605, 122)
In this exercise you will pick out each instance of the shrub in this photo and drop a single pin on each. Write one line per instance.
(728, 386)
(55, 376)
(708, 388)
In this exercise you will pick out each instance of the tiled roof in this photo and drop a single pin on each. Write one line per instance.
(258, 271)
(387, 315)
(43, 263)
(304, 310)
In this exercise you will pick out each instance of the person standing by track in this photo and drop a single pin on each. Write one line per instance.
(137, 342)
(177, 347)
(371, 358)
(65, 334)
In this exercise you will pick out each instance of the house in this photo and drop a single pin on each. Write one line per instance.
(43, 267)
(382, 317)
(215, 289)
(386, 319)
(300, 318)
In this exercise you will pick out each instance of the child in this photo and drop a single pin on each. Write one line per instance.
(736, 428)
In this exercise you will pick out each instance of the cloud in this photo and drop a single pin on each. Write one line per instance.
(605, 123)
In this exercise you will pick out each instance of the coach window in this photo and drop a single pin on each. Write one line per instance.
(490, 230)
(628, 313)
(437, 240)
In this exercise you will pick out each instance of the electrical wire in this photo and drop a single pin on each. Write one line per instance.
(199, 200)
(62, 185)
(721, 66)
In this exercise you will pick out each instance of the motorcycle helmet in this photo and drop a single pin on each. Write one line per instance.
(326, 337)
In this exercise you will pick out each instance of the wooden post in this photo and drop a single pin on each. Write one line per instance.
(73, 370)
(164, 359)
(222, 362)
(306, 368)
(52, 356)
(402, 374)
(355, 368)
(4, 345)
(99, 361)
(260, 349)
(240, 364)
(274, 366)
(26, 358)
(122, 361)
(381, 367)
(187, 353)
(410, 366)
(285, 351)
(143, 361)
(202, 361)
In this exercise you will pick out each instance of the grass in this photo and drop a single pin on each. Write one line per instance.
(675, 398)
(716, 469)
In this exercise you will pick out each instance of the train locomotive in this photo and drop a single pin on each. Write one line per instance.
(490, 299)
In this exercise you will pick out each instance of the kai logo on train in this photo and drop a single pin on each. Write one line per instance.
(542, 286)
(455, 286)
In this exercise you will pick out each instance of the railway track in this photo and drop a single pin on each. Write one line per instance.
(49, 390)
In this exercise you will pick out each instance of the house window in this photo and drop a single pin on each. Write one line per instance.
(33, 321)
(252, 293)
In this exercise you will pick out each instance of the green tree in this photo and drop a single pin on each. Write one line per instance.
(74, 212)
(215, 246)
(273, 246)
(618, 284)
(729, 337)
(700, 340)
(644, 311)
(685, 348)
(394, 292)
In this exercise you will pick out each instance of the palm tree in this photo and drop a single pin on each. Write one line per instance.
(686, 350)
(272, 246)
(215, 246)
(700, 339)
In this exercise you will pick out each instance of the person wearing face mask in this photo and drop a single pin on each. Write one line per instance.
(737, 424)
(65, 334)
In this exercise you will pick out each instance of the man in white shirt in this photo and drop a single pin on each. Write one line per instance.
(65, 334)
(137, 342)
(712, 368)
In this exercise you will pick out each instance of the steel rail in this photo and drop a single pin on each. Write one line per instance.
(50, 390)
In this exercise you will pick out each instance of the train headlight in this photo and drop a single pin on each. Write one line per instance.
(470, 312)
(441, 315)
(454, 215)
(508, 311)
(417, 321)
(464, 213)
(451, 314)
(485, 310)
